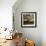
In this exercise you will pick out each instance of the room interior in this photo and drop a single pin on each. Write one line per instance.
(11, 31)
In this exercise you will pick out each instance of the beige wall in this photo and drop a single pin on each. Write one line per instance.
(30, 33)
(43, 22)
(35, 34)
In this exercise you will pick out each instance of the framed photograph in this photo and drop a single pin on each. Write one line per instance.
(28, 19)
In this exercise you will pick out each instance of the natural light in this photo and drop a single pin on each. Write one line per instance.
(6, 13)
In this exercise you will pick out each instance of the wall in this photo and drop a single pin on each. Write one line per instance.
(6, 13)
(6, 16)
(43, 22)
(29, 6)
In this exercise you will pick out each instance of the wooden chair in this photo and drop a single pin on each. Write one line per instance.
(18, 39)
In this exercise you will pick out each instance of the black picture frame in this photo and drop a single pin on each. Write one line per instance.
(28, 19)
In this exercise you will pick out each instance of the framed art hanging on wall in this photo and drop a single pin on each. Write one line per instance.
(28, 19)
